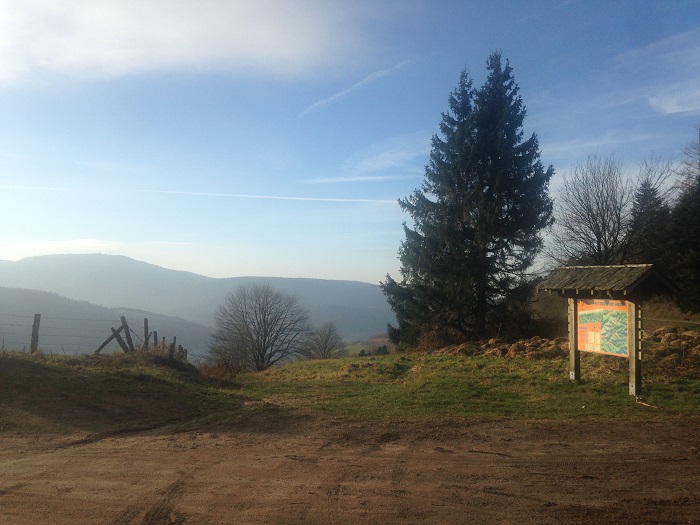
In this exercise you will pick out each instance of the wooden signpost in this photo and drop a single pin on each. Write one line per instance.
(605, 312)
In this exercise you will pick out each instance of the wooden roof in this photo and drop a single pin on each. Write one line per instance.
(575, 280)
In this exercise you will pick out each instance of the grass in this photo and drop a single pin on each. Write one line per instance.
(100, 393)
(103, 393)
(429, 387)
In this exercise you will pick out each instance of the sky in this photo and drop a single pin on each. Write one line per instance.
(274, 137)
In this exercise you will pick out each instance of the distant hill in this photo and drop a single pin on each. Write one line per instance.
(359, 310)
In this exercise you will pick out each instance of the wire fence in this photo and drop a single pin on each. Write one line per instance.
(62, 334)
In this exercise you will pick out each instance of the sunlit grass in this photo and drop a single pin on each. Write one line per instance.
(106, 392)
(422, 386)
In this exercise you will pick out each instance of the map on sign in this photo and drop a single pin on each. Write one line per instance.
(602, 326)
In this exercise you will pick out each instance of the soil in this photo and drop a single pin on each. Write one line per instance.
(269, 466)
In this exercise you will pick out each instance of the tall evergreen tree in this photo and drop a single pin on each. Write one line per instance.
(477, 216)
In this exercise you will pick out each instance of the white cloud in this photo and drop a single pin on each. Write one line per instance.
(108, 38)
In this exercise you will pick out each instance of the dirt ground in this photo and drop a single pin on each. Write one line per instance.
(277, 468)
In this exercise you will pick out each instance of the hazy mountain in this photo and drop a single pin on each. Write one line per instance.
(359, 310)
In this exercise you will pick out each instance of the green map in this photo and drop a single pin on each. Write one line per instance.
(613, 329)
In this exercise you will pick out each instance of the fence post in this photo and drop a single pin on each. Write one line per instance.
(35, 334)
(171, 350)
(109, 339)
(127, 333)
(119, 339)
(145, 332)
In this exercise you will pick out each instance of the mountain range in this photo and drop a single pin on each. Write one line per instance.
(102, 286)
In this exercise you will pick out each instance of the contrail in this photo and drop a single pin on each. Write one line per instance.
(367, 80)
(267, 197)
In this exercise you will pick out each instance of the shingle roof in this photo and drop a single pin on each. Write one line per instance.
(611, 279)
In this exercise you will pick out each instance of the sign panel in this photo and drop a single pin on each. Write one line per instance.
(602, 326)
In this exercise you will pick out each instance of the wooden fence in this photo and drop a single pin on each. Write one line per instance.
(122, 335)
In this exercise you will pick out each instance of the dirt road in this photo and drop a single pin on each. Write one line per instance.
(276, 468)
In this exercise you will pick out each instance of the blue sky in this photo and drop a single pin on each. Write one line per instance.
(273, 138)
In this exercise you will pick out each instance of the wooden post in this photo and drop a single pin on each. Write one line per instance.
(171, 350)
(119, 339)
(127, 333)
(145, 332)
(34, 344)
(634, 330)
(155, 339)
(106, 341)
(574, 353)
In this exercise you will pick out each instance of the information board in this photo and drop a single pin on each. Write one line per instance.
(602, 326)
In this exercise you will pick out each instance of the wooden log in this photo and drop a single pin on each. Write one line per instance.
(127, 333)
(34, 343)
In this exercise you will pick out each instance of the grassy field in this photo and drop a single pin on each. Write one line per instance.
(143, 392)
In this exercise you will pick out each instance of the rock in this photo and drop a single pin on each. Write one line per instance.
(669, 337)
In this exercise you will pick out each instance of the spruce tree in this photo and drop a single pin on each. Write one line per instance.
(477, 217)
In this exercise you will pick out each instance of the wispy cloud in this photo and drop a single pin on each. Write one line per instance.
(267, 197)
(210, 194)
(580, 147)
(676, 59)
(359, 178)
(396, 153)
(369, 79)
(111, 38)
(681, 98)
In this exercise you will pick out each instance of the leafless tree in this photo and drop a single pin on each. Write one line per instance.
(325, 342)
(590, 211)
(602, 214)
(258, 326)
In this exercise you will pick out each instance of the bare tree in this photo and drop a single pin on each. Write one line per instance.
(603, 216)
(258, 326)
(324, 343)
